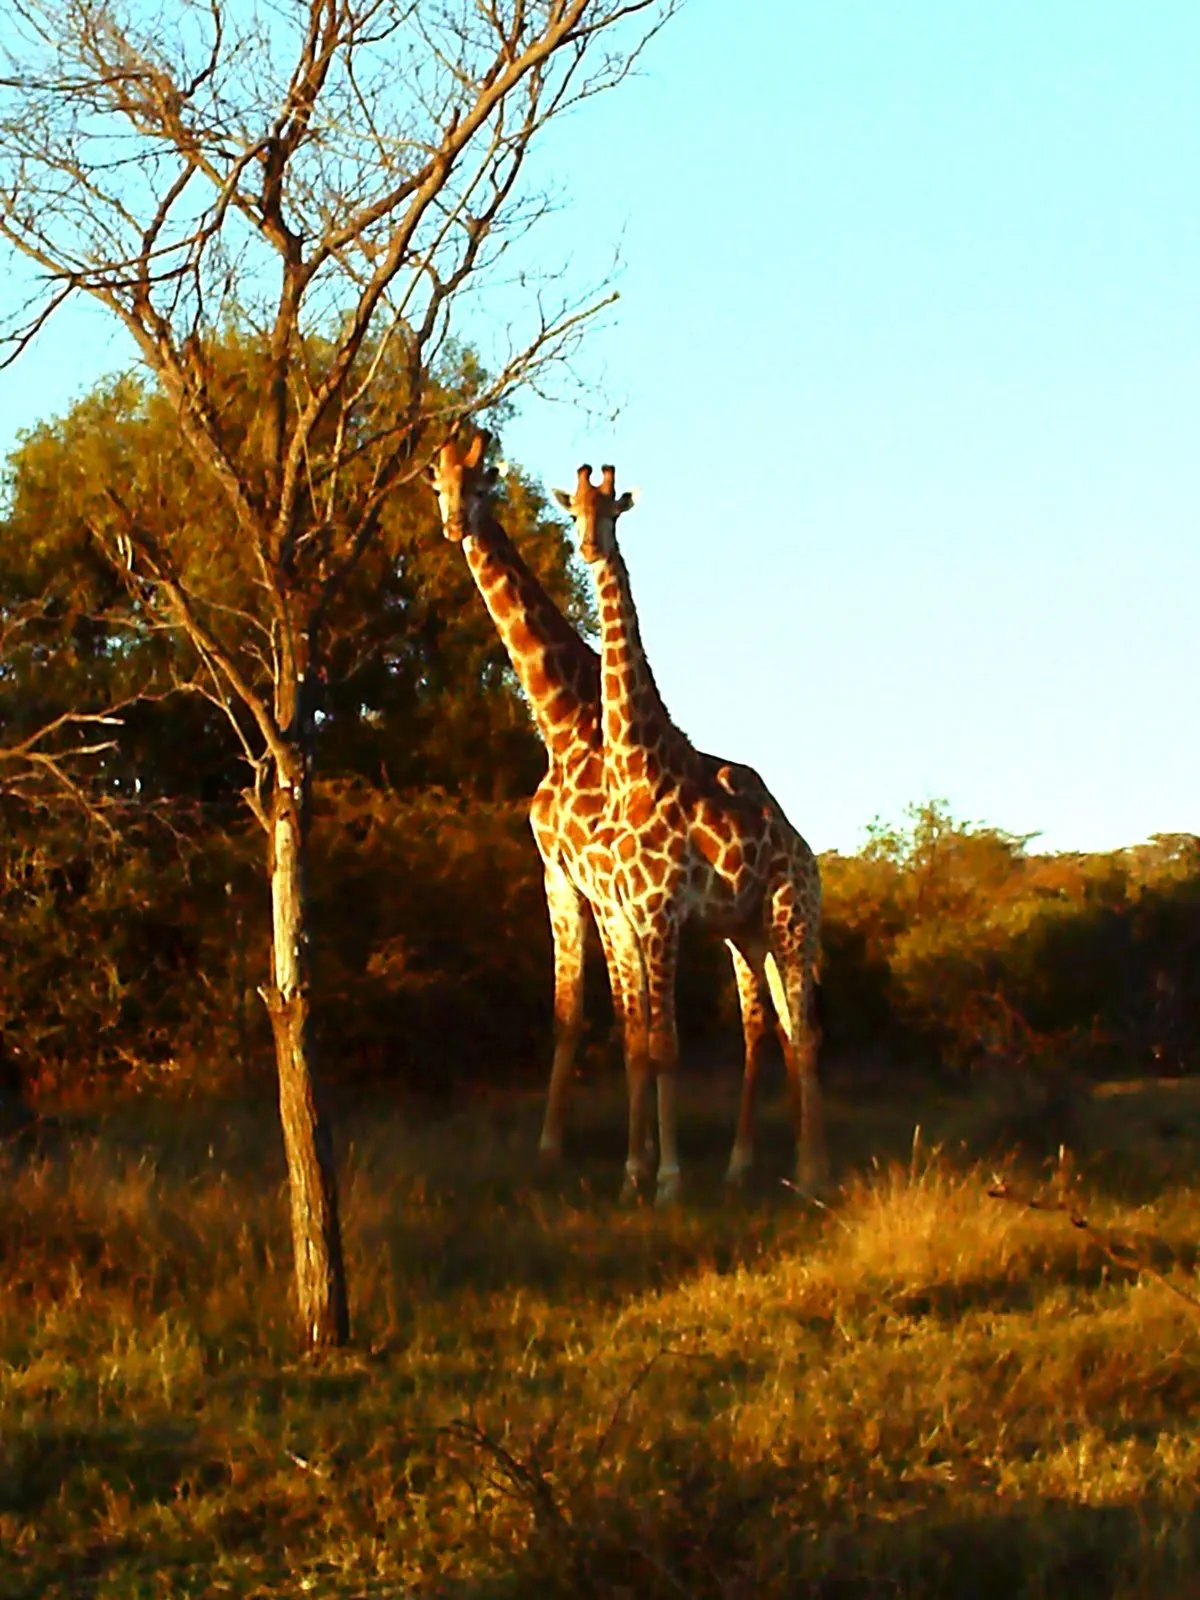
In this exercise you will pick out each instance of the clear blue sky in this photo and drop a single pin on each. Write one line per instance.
(908, 359)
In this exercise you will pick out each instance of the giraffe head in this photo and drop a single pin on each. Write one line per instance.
(462, 484)
(595, 509)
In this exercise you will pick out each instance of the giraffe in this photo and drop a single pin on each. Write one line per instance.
(560, 674)
(684, 840)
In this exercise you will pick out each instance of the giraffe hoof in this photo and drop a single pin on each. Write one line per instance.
(667, 1193)
(549, 1157)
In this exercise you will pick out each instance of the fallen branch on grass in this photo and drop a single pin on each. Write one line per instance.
(524, 1476)
(527, 1479)
(1122, 1255)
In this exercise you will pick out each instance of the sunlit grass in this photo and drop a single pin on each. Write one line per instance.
(917, 1390)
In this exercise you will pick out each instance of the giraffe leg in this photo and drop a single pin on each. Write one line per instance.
(567, 927)
(639, 1161)
(612, 965)
(629, 976)
(667, 1189)
(791, 968)
(623, 975)
(748, 973)
(661, 950)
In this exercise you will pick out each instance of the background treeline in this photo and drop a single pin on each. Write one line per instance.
(132, 954)
(944, 945)
(955, 944)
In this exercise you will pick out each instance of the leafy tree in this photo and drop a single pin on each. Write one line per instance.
(416, 688)
(144, 977)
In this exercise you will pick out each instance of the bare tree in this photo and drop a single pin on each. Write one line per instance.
(337, 175)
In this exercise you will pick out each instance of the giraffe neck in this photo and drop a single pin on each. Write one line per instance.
(557, 670)
(639, 737)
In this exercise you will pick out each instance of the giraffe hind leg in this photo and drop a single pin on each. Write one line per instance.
(748, 968)
(791, 976)
(667, 1187)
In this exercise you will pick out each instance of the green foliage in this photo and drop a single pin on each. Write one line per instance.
(953, 942)
(435, 966)
(140, 962)
(124, 964)
(138, 966)
(416, 686)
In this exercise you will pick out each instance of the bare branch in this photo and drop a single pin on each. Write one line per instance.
(220, 660)
(1130, 1258)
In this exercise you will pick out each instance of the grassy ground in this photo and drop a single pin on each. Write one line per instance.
(919, 1390)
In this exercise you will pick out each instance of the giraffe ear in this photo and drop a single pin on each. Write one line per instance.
(475, 449)
(627, 501)
(562, 498)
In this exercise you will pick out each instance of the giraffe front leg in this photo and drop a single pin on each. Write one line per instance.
(660, 951)
(625, 977)
(629, 983)
(567, 927)
(668, 1188)
(748, 973)
(639, 1162)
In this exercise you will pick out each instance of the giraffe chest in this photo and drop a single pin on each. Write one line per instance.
(686, 856)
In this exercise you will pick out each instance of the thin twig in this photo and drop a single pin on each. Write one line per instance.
(623, 1400)
(524, 1475)
(1129, 1260)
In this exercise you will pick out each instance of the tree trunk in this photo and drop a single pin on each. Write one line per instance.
(316, 1230)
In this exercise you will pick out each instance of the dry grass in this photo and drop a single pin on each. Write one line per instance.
(917, 1391)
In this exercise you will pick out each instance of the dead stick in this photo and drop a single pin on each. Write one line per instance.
(1128, 1260)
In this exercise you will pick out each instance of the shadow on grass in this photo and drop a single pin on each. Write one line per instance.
(141, 1462)
(768, 1531)
(453, 1208)
(590, 1257)
(1132, 1139)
